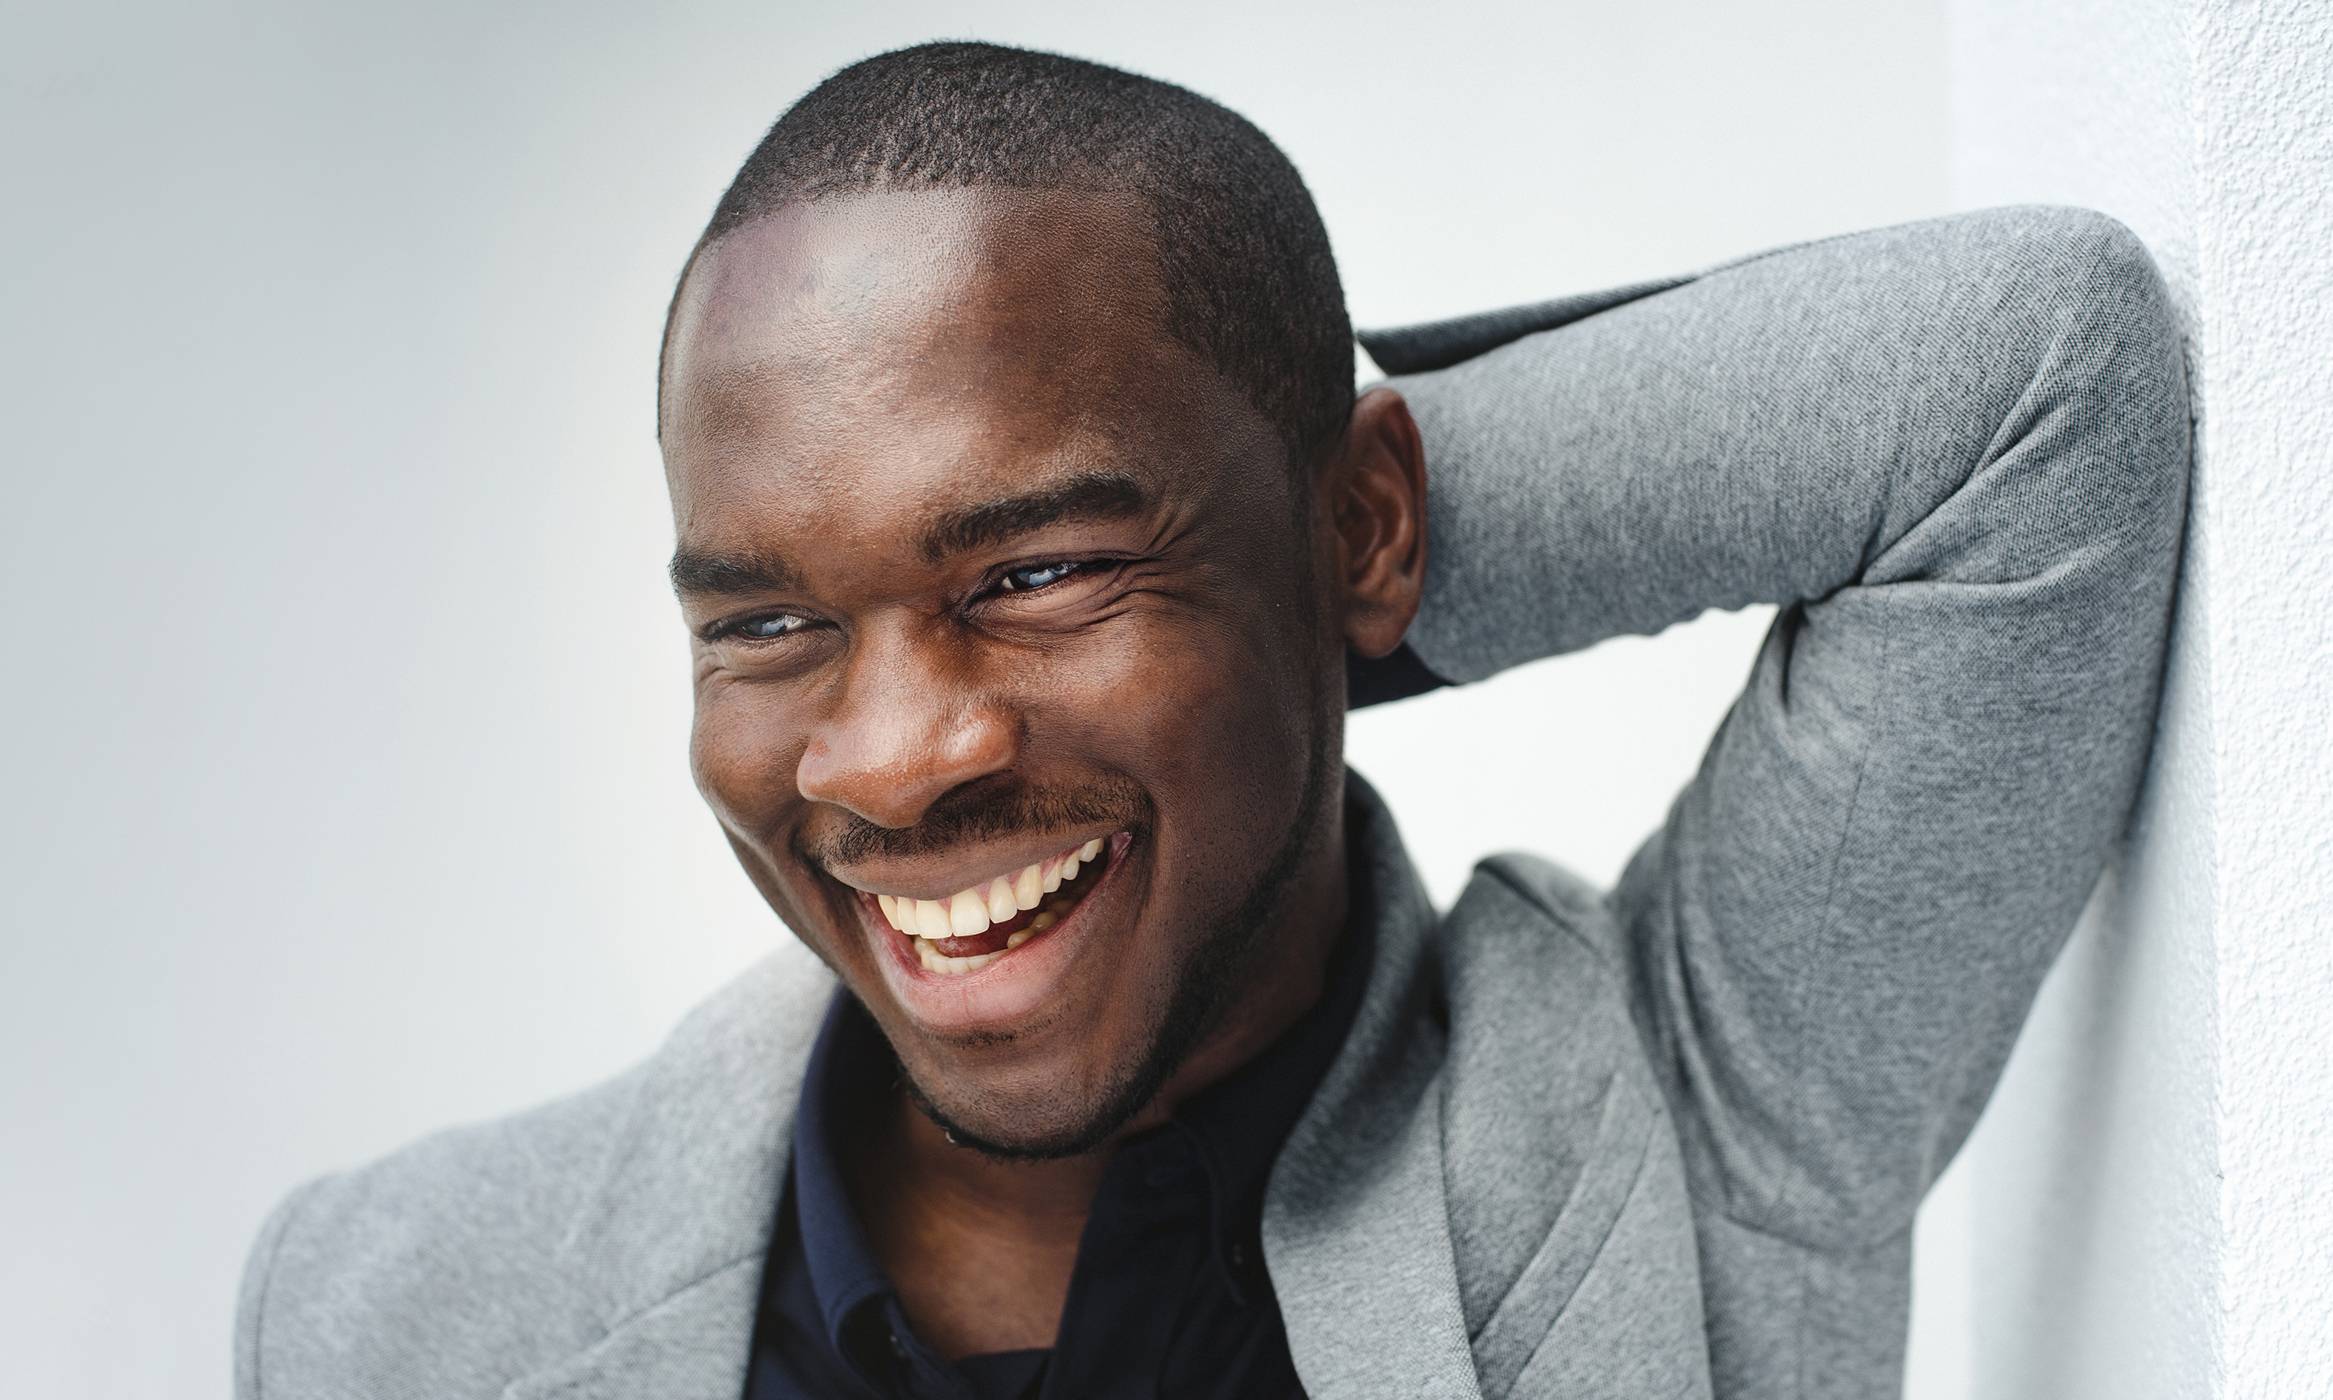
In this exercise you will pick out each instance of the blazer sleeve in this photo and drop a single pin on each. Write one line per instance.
(1955, 454)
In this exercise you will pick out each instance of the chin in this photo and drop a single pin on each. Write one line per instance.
(1028, 1126)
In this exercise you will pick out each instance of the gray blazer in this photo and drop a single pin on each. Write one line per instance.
(1665, 1140)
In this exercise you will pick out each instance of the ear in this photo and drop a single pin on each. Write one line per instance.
(1374, 493)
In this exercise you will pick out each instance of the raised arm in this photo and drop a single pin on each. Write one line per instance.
(1955, 452)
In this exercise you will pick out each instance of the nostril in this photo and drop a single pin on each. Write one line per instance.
(889, 759)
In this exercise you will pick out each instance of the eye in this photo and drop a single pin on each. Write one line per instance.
(1030, 577)
(764, 627)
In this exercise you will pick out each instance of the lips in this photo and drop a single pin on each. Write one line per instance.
(1010, 969)
(982, 922)
(996, 900)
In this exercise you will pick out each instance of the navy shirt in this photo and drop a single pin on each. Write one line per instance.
(1168, 1296)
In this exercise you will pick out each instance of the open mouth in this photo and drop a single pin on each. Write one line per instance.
(974, 927)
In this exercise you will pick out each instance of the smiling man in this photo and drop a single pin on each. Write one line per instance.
(1033, 542)
(992, 601)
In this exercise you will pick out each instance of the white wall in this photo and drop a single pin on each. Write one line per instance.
(344, 703)
(2149, 1190)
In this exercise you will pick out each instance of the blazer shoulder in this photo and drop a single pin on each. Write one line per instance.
(439, 1268)
(483, 1252)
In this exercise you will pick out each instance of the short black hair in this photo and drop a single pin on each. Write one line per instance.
(1250, 283)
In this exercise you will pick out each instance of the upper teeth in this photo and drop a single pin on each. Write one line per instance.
(970, 911)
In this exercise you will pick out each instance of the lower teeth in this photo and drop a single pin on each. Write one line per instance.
(936, 961)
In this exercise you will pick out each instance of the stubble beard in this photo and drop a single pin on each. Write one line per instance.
(1201, 995)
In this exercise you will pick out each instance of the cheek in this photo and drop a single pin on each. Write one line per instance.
(744, 748)
(1215, 722)
(743, 754)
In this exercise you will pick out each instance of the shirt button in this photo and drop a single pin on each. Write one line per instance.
(898, 1347)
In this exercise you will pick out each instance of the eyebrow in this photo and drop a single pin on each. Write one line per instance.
(698, 572)
(1086, 495)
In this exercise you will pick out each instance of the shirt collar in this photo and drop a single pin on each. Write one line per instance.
(850, 1071)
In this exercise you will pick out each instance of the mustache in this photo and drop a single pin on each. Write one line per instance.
(967, 817)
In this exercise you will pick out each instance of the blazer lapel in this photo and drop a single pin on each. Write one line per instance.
(693, 1346)
(674, 1238)
(1356, 1230)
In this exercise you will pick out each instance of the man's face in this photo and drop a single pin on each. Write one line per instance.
(1006, 628)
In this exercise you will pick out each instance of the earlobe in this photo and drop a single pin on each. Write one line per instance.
(1379, 511)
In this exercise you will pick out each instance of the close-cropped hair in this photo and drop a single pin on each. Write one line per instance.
(1250, 283)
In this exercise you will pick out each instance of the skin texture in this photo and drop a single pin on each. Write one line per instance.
(888, 417)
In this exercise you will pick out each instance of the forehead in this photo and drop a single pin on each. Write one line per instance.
(911, 349)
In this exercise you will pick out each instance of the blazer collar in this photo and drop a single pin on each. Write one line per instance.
(1355, 1230)
(672, 1243)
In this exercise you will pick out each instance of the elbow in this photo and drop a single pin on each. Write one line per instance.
(2112, 359)
(2140, 389)
(2088, 373)
(2135, 361)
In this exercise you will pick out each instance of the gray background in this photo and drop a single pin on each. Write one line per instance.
(344, 701)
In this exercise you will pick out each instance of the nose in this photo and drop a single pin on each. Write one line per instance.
(906, 728)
